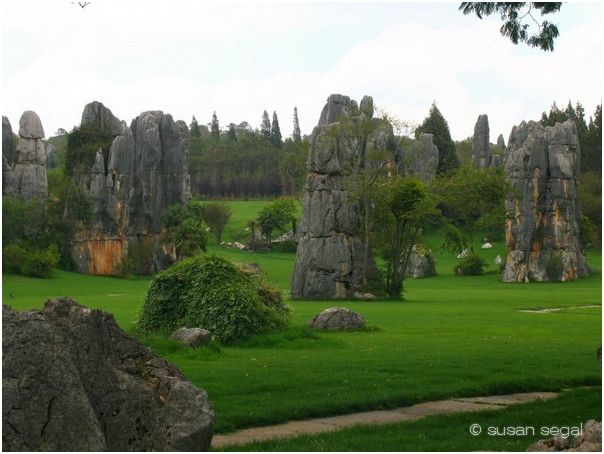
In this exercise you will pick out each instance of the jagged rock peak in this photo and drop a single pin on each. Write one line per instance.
(481, 153)
(7, 140)
(101, 116)
(30, 126)
(339, 105)
(501, 141)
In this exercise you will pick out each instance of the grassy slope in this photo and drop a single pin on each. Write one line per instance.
(451, 432)
(451, 336)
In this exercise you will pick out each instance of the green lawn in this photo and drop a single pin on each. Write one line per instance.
(451, 336)
(451, 432)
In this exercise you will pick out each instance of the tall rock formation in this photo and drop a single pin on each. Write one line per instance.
(330, 257)
(9, 186)
(146, 171)
(25, 174)
(542, 210)
(420, 158)
(481, 152)
(97, 114)
(501, 142)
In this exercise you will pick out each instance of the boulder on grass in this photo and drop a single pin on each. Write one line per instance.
(72, 380)
(337, 318)
(193, 337)
(589, 441)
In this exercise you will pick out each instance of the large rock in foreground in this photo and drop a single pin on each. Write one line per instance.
(589, 441)
(542, 209)
(72, 380)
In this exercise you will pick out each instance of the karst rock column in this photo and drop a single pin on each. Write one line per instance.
(146, 171)
(542, 210)
(481, 152)
(24, 173)
(330, 255)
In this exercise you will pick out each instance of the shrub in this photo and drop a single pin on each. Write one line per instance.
(289, 246)
(13, 258)
(211, 293)
(33, 262)
(471, 265)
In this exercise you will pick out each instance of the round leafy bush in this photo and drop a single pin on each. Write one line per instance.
(471, 265)
(212, 293)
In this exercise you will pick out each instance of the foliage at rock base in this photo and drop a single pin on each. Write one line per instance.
(211, 293)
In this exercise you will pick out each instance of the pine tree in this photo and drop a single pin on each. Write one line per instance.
(297, 136)
(436, 125)
(265, 127)
(275, 131)
(215, 127)
(231, 134)
(195, 131)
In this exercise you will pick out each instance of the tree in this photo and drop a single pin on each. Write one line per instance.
(215, 127)
(265, 126)
(436, 125)
(473, 199)
(232, 135)
(296, 135)
(275, 131)
(513, 14)
(190, 238)
(277, 216)
(401, 211)
(217, 215)
(195, 131)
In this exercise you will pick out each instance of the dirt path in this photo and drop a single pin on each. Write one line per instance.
(320, 425)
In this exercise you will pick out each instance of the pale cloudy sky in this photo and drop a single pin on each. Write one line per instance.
(189, 57)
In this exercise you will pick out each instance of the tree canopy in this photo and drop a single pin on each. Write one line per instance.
(515, 16)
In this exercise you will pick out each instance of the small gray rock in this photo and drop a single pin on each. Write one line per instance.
(193, 337)
(337, 318)
(589, 441)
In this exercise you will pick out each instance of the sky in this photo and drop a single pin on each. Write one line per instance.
(191, 57)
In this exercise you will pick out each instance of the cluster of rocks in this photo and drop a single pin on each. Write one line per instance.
(24, 170)
(330, 257)
(589, 441)
(421, 263)
(542, 209)
(145, 171)
(72, 380)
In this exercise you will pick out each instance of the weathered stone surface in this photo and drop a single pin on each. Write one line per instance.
(589, 441)
(9, 184)
(26, 176)
(7, 140)
(30, 126)
(481, 152)
(193, 337)
(420, 158)
(146, 171)
(542, 209)
(495, 160)
(330, 256)
(337, 318)
(97, 114)
(72, 380)
(501, 141)
(421, 263)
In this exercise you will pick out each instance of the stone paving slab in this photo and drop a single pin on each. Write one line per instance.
(402, 414)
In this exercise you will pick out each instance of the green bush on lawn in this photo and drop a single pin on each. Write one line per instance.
(211, 293)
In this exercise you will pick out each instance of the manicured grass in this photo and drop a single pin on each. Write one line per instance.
(451, 336)
(451, 432)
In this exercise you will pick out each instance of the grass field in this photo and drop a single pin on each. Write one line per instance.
(451, 432)
(451, 336)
